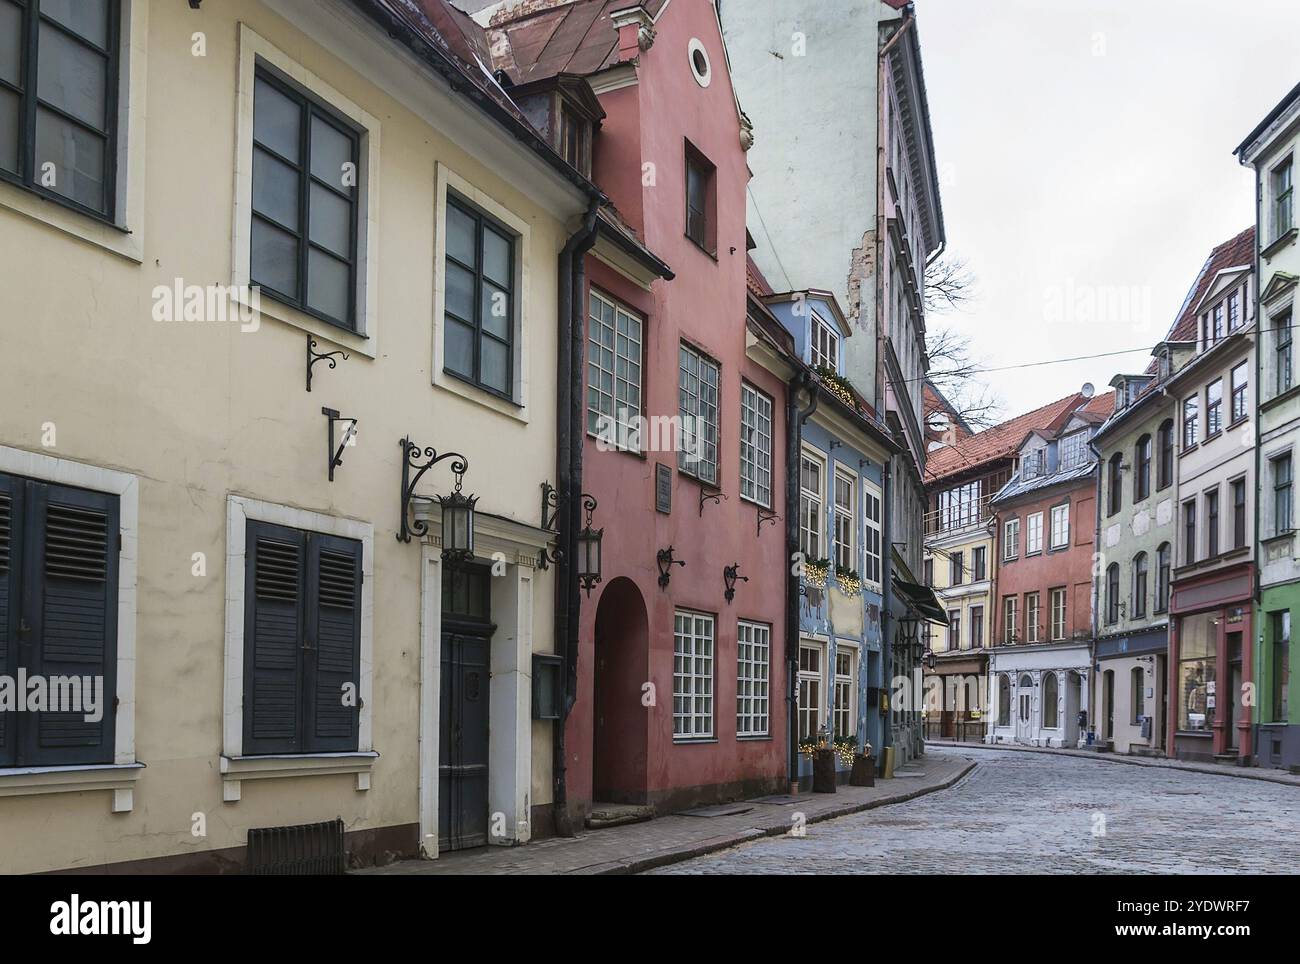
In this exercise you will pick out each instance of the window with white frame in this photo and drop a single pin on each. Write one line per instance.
(698, 384)
(692, 675)
(1010, 618)
(1011, 539)
(1074, 449)
(1060, 526)
(1032, 617)
(613, 371)
(755, 446)
(824, 347)
(844, 725)
(1058, 614)
(1034, 533)
(845, 516)
(753, 660)
(872, 558)
(810, 507)
(810, 690)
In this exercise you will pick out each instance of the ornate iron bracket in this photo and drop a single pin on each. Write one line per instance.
(314, 356)
(730, 574)
(550, 505)
(765, 515)
(664, 559)
(717, 498)
(411, 454)
(336, 454)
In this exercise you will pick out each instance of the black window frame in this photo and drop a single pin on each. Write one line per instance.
(1142, 469)
(26, 175)
(1164, 562)
(1282, 494)
(1112, 593)
(1238, 513)
(484, 220)
(1211, 523)
(1114, 481)
(1237, 410)
(1165, 447)
(311, 107)
(1139, 605)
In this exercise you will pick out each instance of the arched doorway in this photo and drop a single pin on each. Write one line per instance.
(621, 718)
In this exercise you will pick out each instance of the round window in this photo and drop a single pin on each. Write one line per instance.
(700, 63)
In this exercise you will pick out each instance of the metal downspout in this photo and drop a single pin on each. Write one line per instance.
(794, 442)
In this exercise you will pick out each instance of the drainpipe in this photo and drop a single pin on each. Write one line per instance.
(794, 420)
(886, 598)
(1096, 594)
(568, 470)
(1256, 631)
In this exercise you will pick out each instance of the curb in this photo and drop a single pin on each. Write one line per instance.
(1246, 773)
(714, 844)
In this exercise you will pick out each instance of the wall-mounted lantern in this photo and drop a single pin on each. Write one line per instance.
(930, 659)
(589, 549)
(664, 559)
(457, 508)
(729, 576)
(907, 634)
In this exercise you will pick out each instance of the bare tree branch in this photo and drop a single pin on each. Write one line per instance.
(949, 284)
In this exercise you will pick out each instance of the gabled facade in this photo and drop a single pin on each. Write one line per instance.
(1045, 520)
(1271, 149)
(681, 671)
(271, 652)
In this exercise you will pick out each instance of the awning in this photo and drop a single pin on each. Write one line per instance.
(923, 600)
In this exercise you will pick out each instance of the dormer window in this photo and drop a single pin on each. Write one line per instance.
(824, 345)
(1164, 363)
(1033, 464)
(1074, 449)
(575, 139)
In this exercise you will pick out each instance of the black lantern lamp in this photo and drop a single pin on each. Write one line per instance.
(457, 524)
(930, 659)
(457, 508)
(907, 634)
(589, 549)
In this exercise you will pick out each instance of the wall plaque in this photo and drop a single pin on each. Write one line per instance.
(663, 488)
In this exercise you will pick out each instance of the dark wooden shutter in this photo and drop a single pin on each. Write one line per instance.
(10, 563)
(274, 608)
(70, 602)
(334, 644)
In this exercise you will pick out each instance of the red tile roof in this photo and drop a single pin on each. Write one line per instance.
(932, 402)
(1099, 408)
(1233, 253)
(998, 442)
(537, 39)
(755, 281)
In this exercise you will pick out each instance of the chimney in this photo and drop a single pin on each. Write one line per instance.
(636, 31)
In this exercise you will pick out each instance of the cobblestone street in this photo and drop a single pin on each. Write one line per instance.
(1020, 813)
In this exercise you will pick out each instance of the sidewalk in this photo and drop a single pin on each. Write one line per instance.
(637, 847)
(1217, 769)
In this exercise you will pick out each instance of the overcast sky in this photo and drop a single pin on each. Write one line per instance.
(1085, 154)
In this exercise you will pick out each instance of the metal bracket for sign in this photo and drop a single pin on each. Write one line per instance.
(765, 515)
(730, 575)
(411, 454)
(717, 498)
(550, 509)
(314, 356)
(336, 454)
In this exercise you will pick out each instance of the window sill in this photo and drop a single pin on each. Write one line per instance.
(78, 778)
(235, 769)
(112, 237)
(1188, 449)
(694, 740)
(468, 390)
(754, 738)
(696, 244)
(1278, 243)
(1280, 398)
(1289, 534)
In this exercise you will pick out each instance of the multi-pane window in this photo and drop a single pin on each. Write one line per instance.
(305, 211)
(1060, 526)
(979, 564)
(698, 403)
(1139, 586)
(954, 629)
(1235, 318)
(1011, 539)
(1074, 450)
(692, 675)
(1058, 614)
(1033, 617)
(303, 643)
(1214, 407)
(872, 546)
(824, 346)
(1238, 513)
(1189, 531)
(1010, 614)
(1164, 561)
(1112, 593)
(699, 187)
(575, 139)
(1282, 341)
(614, 336)
(843, 721)
(810, 691)
(1165, 442)
(1282, 495)
(977, 627)
(1283, 212)
(1114, 474)
(1142, 469)
(1190, 415)
(1212, 523)
(956, 568)
(58, 618)
(478, 343)
(755, 446)
(844, 519)
(1034, 533)
(959, 506)
(59, 98)
(753, 662)
(810, 507)
(1280, 629)
(1239, 383)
